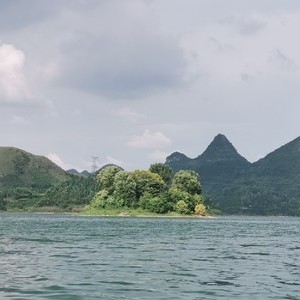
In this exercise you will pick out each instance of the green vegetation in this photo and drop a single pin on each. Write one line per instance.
(165, 172)
(33, 183)
(76, 191)
(25, 178)
(147, 191)
(270, 186)
(22, 169)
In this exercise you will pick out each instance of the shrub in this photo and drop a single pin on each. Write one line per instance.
(181, 207)
(200, 209)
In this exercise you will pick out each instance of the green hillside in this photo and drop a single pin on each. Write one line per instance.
(270, 186)
(19, 168)
(218, 166)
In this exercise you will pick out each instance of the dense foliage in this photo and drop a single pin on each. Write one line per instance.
(149, 191)
(77, 190)
(2, 201)
(165, 171)
(19, 168)
(270, 186)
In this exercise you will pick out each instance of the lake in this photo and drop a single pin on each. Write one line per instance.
(44, 256)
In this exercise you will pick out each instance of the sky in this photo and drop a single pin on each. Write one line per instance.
(131, 81)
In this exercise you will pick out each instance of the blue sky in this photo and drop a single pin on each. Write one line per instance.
(131, 81)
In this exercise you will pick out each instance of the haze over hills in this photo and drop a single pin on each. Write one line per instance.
(268, 186)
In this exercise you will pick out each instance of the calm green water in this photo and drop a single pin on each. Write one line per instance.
(68, 257)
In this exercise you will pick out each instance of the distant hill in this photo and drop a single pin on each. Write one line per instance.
(109, 165)
(268, 186)
(75, 172)
(20, 168)
(87, 174)
(219, 165)
(271, 185)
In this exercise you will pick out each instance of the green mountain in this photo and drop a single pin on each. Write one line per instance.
(84, 173)
(19, 168)
(268, 186)
(271, 185)
(219, 165)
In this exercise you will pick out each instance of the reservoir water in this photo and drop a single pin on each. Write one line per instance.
(70, 257)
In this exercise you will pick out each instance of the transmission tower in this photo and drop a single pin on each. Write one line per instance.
(94, 164)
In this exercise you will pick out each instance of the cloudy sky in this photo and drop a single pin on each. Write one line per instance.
(131, 81)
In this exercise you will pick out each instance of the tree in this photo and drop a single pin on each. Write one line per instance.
(21, 161)
(181, 207)
(106, 178)
(158, 204)
(185, 192)
(165, 171)
(187, 181)
(148, 182)
(100, 200)
(75, 191)
(125, 189)
(2, 201)
(190, 200)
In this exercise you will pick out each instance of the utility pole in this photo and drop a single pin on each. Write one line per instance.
(94, 164)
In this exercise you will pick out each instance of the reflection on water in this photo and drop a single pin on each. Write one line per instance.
(68, 257)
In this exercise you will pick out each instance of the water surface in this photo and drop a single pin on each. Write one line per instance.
(71, 257)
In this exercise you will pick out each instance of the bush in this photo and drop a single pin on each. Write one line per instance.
(100, 199)
(200, 209)
(157, 204)
(181, 207)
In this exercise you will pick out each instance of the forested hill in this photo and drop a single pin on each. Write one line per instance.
(268, 186)
(20, 168)
(271, 185)
(219, 165)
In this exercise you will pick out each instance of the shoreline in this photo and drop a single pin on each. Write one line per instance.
(116, 213)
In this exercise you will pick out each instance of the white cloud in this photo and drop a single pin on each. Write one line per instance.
(13, 85)
(129, 114)
(202, 67)
(57, 160)
(148, 140)
(159, 156)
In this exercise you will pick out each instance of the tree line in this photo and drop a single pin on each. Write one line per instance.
(156, 190)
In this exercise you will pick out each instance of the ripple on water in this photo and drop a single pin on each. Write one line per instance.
(66, 257)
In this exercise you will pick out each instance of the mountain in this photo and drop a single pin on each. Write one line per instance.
(268, 186)
(283, 162)
(84, 173)
(19, 168)
(271, 185)
(219, 165)
(73, 172)
(178, 161)
(109, 165)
